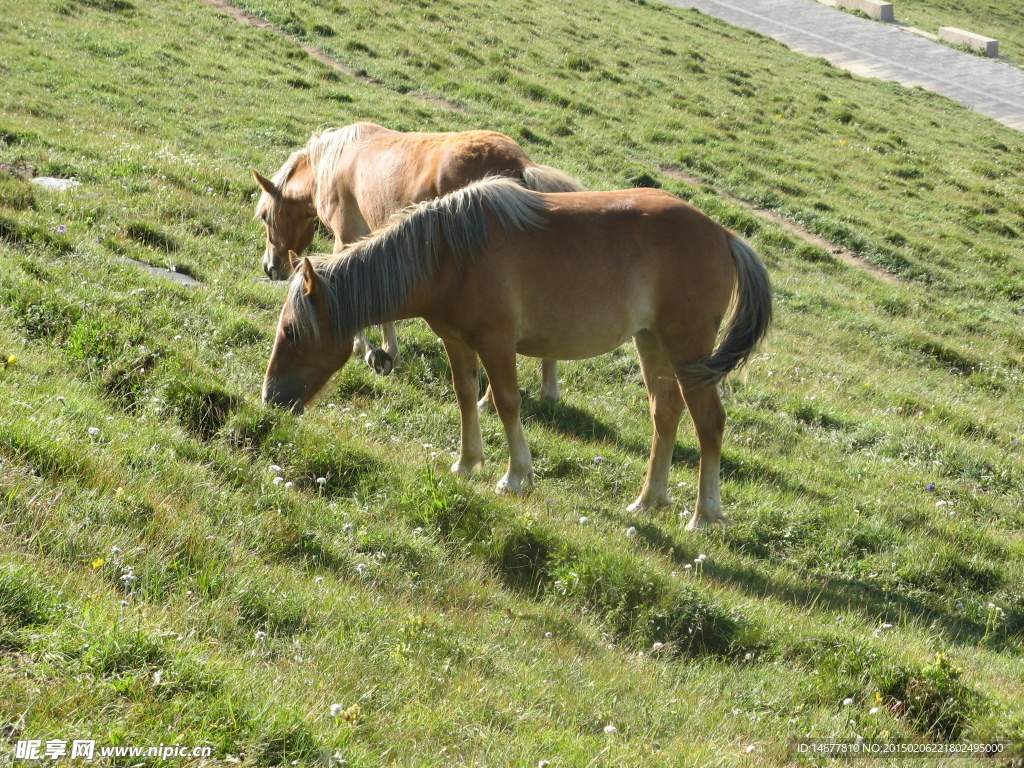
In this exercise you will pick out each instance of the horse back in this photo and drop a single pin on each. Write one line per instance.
(392, 170)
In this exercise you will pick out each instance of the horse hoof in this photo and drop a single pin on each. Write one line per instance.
(380, 361)
(511, 485)
(465, 470)
(699, 521)
(485, 406)
(642, 504)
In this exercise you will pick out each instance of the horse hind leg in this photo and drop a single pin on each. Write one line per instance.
(708, 416)
(666, 404)
(549, 380)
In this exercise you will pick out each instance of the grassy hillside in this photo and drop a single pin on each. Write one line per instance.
(158, 586)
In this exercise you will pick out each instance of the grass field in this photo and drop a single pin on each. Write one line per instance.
(158, 586)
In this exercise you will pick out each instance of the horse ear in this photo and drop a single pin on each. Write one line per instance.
(310, 279)
(267, 184)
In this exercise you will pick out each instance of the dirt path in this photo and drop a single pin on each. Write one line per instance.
(255, 21)
(843, 254)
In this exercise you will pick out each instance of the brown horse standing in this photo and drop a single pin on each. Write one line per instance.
(497, 270)
(355, 178)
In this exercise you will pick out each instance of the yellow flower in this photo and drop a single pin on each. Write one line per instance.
(99, 561)
(11, 360)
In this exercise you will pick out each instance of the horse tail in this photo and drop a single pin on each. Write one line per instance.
(544, 178)
(748, 323)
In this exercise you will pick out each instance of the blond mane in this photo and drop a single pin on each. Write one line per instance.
(369, 282)
(323, 151)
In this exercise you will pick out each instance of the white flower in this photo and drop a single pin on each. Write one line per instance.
(94, 431)
(688, 567)
(548, 635)
(543, 764)
(337, 710)
(361, 568)
(60, 398)
(321, 481)
(278, 480)
(701, 558)
(319, 579)
(751, 748)
(289, 484)
(275, 468)
(873, 711)
(583, 519)
(658, 646)
(610, 728)
(847, 702)
(115, 551)
(261, 636)
(631, 531)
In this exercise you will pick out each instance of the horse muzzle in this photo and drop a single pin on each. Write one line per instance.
(280, 399)
(273, 267)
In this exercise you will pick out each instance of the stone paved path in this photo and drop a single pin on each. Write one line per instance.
(872, 49)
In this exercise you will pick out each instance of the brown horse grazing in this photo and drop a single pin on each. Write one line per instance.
(496, 269)
(355, 178)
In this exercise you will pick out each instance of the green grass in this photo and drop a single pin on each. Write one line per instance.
(158, 586)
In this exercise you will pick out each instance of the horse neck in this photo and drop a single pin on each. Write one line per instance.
(371, 294)
(301, 184)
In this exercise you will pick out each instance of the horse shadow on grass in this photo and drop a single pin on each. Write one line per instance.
(567, 420)
(739, 469)
(874, 604)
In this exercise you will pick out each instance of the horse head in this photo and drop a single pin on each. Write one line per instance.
(286, 208)
(307, 349)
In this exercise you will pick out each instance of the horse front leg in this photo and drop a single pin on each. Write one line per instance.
(390, 333)
(378, 359)
(463, 362)
(500, 363)
(548, 388)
